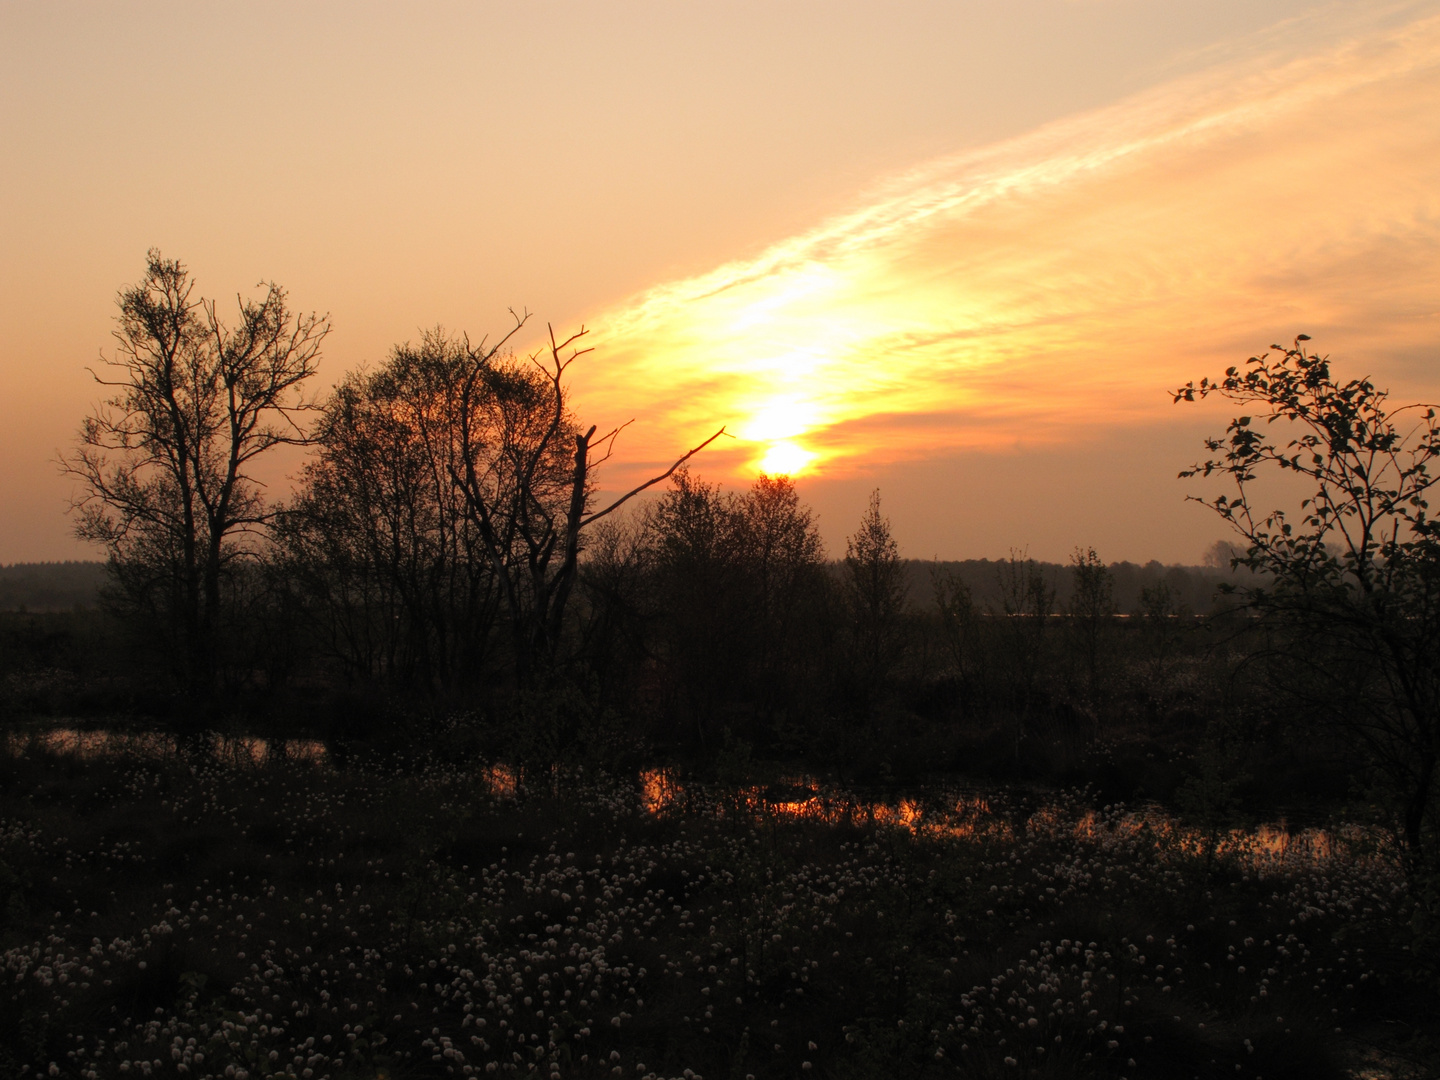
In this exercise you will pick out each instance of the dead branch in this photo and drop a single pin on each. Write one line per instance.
(653, 481)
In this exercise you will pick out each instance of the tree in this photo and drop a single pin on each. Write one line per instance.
(955, 608)
(696, 551)
(378, 540)
(453, 484)
(526, 470)
(1351, 592)
(1162, 616)
(875, 587)
(739, 583)
(1027, 601)
(1090, 609)
(617, 614)
(782, 559)
(165, 462)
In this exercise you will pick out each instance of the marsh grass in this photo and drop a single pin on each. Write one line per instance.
(232, 916)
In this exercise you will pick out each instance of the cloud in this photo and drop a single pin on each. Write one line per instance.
(1030, 291)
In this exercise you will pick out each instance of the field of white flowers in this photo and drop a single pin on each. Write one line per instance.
(245, 915)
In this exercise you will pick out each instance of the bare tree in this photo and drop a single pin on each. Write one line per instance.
(1027, 601)
(1091, 610)
(527, 473)
(165, 460)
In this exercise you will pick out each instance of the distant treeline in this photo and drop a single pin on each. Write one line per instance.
(1193, 589)
(66, 586)
(51, 586)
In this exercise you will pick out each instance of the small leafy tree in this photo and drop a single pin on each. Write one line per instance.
(1350, 587)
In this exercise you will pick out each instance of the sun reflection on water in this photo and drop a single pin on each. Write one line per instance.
(974, 817)
(801, 798)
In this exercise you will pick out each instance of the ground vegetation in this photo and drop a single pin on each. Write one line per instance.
(240, 910)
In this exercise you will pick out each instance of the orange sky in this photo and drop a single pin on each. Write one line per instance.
(953, 255)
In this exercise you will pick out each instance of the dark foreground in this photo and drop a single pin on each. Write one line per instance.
(210, 916)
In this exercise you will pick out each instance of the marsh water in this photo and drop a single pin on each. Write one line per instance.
(948, 805)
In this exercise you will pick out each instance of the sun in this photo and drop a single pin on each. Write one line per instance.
(779, 420)
(785, 459)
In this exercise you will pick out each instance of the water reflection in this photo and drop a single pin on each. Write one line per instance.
(88, 745)
(502, 781)
(797, 798)
(967, 814)
(941, 811)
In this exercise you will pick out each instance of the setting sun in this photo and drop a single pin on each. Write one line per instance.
(1029, 293)
(785, 459)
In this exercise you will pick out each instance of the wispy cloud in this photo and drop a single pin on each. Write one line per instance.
(1034, 289)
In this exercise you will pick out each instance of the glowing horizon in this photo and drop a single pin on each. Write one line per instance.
(956, 251)
(1022, 292)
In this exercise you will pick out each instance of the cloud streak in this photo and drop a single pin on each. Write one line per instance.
(1029, 291)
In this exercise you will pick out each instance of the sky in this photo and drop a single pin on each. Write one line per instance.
(958, 252)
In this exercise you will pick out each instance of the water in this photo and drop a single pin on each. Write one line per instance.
(953, 807)
(963, 809)
(93, 744)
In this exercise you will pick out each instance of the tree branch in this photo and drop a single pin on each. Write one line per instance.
(651, 482)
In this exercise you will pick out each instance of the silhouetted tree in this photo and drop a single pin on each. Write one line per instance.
(618, 614)
(955, 610)
(378, 540)
(451, 486)
(697, 554)
(1091, 609)
(1163, 615)
(740, 592)
(165, 461)
(526, 471)
(1027, 600)
(1352, 599)
(783, 559)
(875, 591)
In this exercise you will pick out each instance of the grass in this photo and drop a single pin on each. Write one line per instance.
(222, 916)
